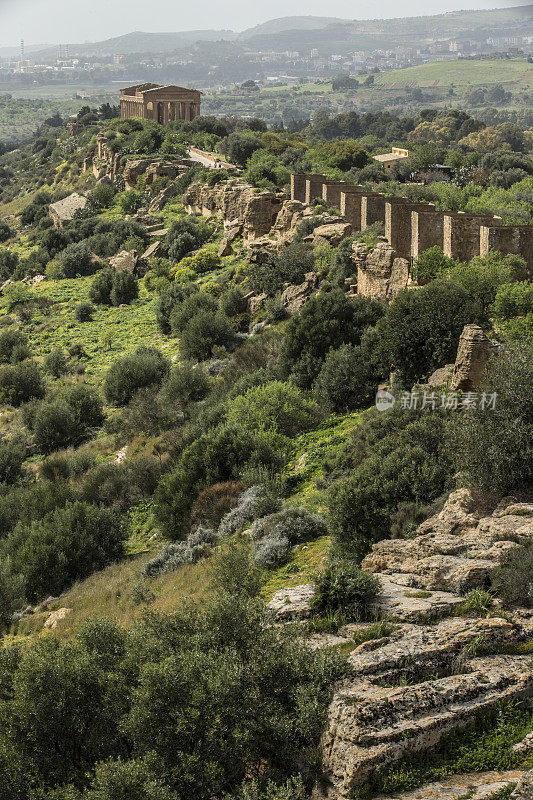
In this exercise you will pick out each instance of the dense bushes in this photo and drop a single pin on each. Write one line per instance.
(114, 287)
(493, 447)
(65, 545)
(513, 580)
(421, 329)
(222, 454)
(65, 419)
(13, 453)
(347, 378)
(146, 366)
(20, 383)
(13, 346)
(185, 235)
(327, 321)
(179, 706)
(205, 330)
(290, 266)
(274, 406)
(395, 457)
(77, 259)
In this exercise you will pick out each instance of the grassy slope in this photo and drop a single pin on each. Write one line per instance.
(464, 72)
(116, 592)
(111, 333)
(515, 74)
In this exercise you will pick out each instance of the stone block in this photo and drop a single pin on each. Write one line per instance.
(427, 230)
(372, 209)
(462, 234)
(516, 239)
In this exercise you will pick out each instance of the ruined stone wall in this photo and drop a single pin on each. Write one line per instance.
(427, 230)
(412, 228)
(462, 234)
(517, 239)
(398, 222)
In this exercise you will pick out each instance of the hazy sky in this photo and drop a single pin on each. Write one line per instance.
(63, 21)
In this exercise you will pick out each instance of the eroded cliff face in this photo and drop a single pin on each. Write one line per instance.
(380, 274)
(237, 203)
(421, 682)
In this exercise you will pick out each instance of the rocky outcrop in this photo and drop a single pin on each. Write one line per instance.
(332, 233)
(160, 200)
(126, 259)
(163, 169)
(524, 789)
(293, 298)
(65, 210)
(375, 718)
(399, 602)
(55, 617)
(293, 603)
(133, 170)
(472, 355)
(380, 275)
(254, 210)
(471, 786)
(458, 548)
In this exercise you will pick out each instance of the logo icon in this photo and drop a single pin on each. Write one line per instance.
(384, 400)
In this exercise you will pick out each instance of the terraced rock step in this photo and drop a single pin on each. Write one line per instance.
(458, 548)
(477, 785)
(375, 719)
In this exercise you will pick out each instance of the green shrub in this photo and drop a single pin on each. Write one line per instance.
(13, 346)
(191, 305)
(11, 591)
(84, 311)
(205, 330)
(66, 545)
(125, 288)
(13, 453)
(342, 586)
(346, 380)
(483, 276)
(5, 231)
(513, 580)
(222, 454)
(186, 384)
(66, 421)
(54, 426)
(431, 264)
(290, 266)
(100, 290)
(493, 448)
(146, 366)
(274, 406)
(513, 300)
(20, 383)
(77, 259)
(102, 195)
(420, 331)
(326, 321)
(395, 457)
(55, 363)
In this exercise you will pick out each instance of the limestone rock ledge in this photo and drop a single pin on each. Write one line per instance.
(458, 548)
(374, 719)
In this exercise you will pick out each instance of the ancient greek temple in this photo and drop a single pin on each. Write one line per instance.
(163, 104)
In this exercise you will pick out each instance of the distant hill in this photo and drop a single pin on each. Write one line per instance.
(327, 33)
(274, 26)
(139, 42)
